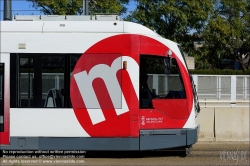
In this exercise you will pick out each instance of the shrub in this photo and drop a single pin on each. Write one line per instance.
(220, 72)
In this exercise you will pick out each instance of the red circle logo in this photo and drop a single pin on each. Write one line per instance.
(103, 95)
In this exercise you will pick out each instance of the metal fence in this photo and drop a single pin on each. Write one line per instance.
(227, 87)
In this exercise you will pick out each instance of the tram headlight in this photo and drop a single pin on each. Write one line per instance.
(170, 53)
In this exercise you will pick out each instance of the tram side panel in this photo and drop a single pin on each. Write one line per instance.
(59, 126)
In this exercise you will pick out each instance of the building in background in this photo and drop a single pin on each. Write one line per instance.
(190, 62)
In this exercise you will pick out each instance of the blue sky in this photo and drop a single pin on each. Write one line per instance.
(22, 7)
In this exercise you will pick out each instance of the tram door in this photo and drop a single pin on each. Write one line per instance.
(4, 134)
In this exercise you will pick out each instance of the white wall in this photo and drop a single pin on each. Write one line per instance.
(224, 124)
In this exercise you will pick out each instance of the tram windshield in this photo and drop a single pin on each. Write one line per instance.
(155, 83)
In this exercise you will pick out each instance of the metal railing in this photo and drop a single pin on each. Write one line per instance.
(222, 87)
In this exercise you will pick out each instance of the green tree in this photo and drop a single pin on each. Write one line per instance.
(224, 31)
(176, 20)
(108, 6)
(58, 7)
(173, 19)
(246, 32)
(74, 7)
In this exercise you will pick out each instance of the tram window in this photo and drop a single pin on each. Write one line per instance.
(53, 81)
(73, 60)
(41, 80)
(25, 87)
(154, 83)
